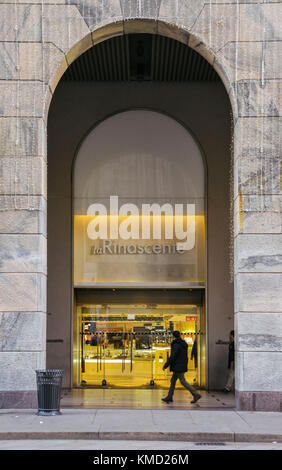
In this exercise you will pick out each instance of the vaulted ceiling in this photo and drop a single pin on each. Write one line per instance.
(140, 57)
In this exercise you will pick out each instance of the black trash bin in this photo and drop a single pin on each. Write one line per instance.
(49, 386)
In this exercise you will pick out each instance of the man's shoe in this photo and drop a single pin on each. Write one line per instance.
(196, 398)
(167, 399)
(225, 390)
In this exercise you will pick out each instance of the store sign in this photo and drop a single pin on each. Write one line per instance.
(112, 248)
(154, 222)
(160, 242)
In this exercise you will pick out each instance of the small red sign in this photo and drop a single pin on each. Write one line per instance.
(191, 318)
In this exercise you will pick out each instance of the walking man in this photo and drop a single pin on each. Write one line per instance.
(178, 365)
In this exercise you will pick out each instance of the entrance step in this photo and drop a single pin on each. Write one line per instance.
(143, 399)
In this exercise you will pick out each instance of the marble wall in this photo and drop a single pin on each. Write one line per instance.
(242, 39)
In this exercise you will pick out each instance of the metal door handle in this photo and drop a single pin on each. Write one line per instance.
(220, 341)
(131, 347)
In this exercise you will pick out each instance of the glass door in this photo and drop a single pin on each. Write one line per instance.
(127, 345)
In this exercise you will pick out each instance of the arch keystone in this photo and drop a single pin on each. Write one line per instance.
(145, 26)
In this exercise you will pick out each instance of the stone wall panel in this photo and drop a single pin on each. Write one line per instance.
(258, 331)
(259, 98)
(63, 26)
(21, 218)
(272, 62)
(23, 98)
(22, 331)
(257, 22)
(258, 253)
(258, 292)
(18, 370)
(257, 214)
(23, 176)
(182, 13)
(217, 25)
(21, 137)
(99, 12)
(260, 371)
(257, 156)
(22, 292)
(20, 22)
(141, 8)
(23, 253)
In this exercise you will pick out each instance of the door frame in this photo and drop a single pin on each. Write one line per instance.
(133, 295)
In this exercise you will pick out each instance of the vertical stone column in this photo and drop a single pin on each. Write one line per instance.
(258, 241)
(246, 42)
(22, 204)
(258, 253)
(35, 43)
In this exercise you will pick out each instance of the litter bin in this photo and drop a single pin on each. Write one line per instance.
(49, 386)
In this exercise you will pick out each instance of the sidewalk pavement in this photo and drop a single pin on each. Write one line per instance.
(193, 425)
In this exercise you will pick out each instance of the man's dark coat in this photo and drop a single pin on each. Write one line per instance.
(178, 359)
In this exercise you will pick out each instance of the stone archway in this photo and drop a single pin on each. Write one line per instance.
(111, 34)
(241, 42)
(85, 27)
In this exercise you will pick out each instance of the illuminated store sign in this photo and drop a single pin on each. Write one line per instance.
(152, 243)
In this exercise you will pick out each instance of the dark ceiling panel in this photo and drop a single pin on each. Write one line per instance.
(140, 57)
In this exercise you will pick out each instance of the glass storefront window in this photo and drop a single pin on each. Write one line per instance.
(127, 345)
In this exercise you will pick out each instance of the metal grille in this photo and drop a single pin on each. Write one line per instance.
(210, 444)
(140, 57)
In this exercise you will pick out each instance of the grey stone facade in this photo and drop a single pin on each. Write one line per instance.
(242, 39)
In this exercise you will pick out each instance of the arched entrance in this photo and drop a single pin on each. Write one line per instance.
(199, 102)
(139, 250)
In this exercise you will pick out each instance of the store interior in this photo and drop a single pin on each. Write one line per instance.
(127, 345)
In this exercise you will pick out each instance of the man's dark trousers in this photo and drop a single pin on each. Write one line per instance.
(181, 377)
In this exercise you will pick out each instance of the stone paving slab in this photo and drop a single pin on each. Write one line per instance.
(152, 425)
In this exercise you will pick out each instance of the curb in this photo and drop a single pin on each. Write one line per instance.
(142, 436)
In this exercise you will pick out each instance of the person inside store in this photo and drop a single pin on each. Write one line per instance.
(194, 353)
(231, 364)
(178, 363)
(87, 337)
